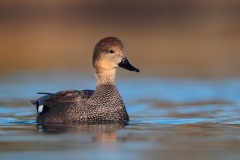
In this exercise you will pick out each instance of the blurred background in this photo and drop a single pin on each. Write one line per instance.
(183, 38)
(184, 102)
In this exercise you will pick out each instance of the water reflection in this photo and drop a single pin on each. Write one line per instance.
(102, 132)
(81, 127)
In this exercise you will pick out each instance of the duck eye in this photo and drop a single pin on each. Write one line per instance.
(111, 51)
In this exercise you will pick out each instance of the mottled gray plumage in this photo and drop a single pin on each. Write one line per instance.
(103, 104)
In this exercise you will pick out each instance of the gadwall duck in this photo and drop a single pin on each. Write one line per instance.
(102, 105)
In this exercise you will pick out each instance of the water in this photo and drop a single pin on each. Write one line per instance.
(171, 119)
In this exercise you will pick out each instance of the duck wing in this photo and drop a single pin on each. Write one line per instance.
(61, 98)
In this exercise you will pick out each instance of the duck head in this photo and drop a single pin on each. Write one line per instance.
(109, 55)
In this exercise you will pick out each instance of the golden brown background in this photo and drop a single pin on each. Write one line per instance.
(187, 38)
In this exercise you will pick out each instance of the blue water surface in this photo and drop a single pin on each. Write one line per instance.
(170, 118)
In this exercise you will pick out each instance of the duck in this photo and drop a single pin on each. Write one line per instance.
(104, 104)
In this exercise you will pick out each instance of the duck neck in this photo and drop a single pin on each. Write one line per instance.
(106, 77)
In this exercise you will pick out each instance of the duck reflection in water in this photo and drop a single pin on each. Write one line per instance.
(102, 132)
